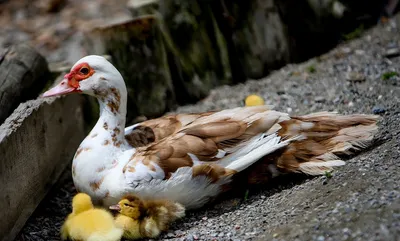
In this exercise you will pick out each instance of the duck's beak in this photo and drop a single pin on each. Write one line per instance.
(61, 89)
(115, 207)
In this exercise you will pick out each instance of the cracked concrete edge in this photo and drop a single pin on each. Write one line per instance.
(36, 144)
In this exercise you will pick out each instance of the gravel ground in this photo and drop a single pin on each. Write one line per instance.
(362, 199)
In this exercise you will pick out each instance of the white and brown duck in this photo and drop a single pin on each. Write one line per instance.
(192, 158)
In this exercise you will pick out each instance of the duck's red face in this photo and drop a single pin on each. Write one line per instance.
(70, 83)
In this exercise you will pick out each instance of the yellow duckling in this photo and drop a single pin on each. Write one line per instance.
(146, 219)
(87, 223)
(253, 100)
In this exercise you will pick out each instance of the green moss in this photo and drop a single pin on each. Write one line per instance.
(311, 69)
(246, 195)
(328, 174)
(356, 33)
(389, 75)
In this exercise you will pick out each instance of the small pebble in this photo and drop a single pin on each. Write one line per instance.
(319, 99)
(355, 76)
(324, 180)
(346, 231)
(378, 110)
(346, 50)
(359, 52)
(392, 52)
(189, 237)
(336, 100)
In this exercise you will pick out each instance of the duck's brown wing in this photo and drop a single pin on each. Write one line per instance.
(228, 141)
(154, 130)
(204, 142)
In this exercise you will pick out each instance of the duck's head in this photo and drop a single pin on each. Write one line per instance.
(92, 75)
(81, 202)
(130, 206)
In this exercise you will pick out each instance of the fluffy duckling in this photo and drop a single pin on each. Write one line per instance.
(87, 223)
(144, 218)
(254, 100)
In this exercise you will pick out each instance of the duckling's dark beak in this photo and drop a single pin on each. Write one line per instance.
(115, 207)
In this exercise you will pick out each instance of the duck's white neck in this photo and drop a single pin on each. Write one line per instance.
(106, 139)
(98, 153)
(112, 117)
(111, 123)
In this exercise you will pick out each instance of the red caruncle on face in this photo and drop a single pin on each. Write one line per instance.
(80, 72)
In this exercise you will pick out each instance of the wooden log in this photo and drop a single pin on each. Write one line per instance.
(36, 144)
(24, 73)
(138, 52)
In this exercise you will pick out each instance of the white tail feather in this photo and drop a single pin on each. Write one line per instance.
(264, 147)
(240, 150)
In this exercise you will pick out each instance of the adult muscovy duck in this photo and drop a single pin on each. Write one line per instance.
(192, 158)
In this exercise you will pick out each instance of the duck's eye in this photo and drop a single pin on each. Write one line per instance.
(125, 204)
(84, 70)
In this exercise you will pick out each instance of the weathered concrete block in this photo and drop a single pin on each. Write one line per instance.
(36, 143)
(24, 73)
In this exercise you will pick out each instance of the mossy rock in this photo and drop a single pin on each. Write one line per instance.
(259, 36)
(197, 50)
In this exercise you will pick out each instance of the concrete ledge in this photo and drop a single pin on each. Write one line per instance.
(36, 144)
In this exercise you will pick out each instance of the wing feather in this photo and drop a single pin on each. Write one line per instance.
(209, 138)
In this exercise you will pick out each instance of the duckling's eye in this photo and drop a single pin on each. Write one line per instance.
(125, 204)
(84, 70)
